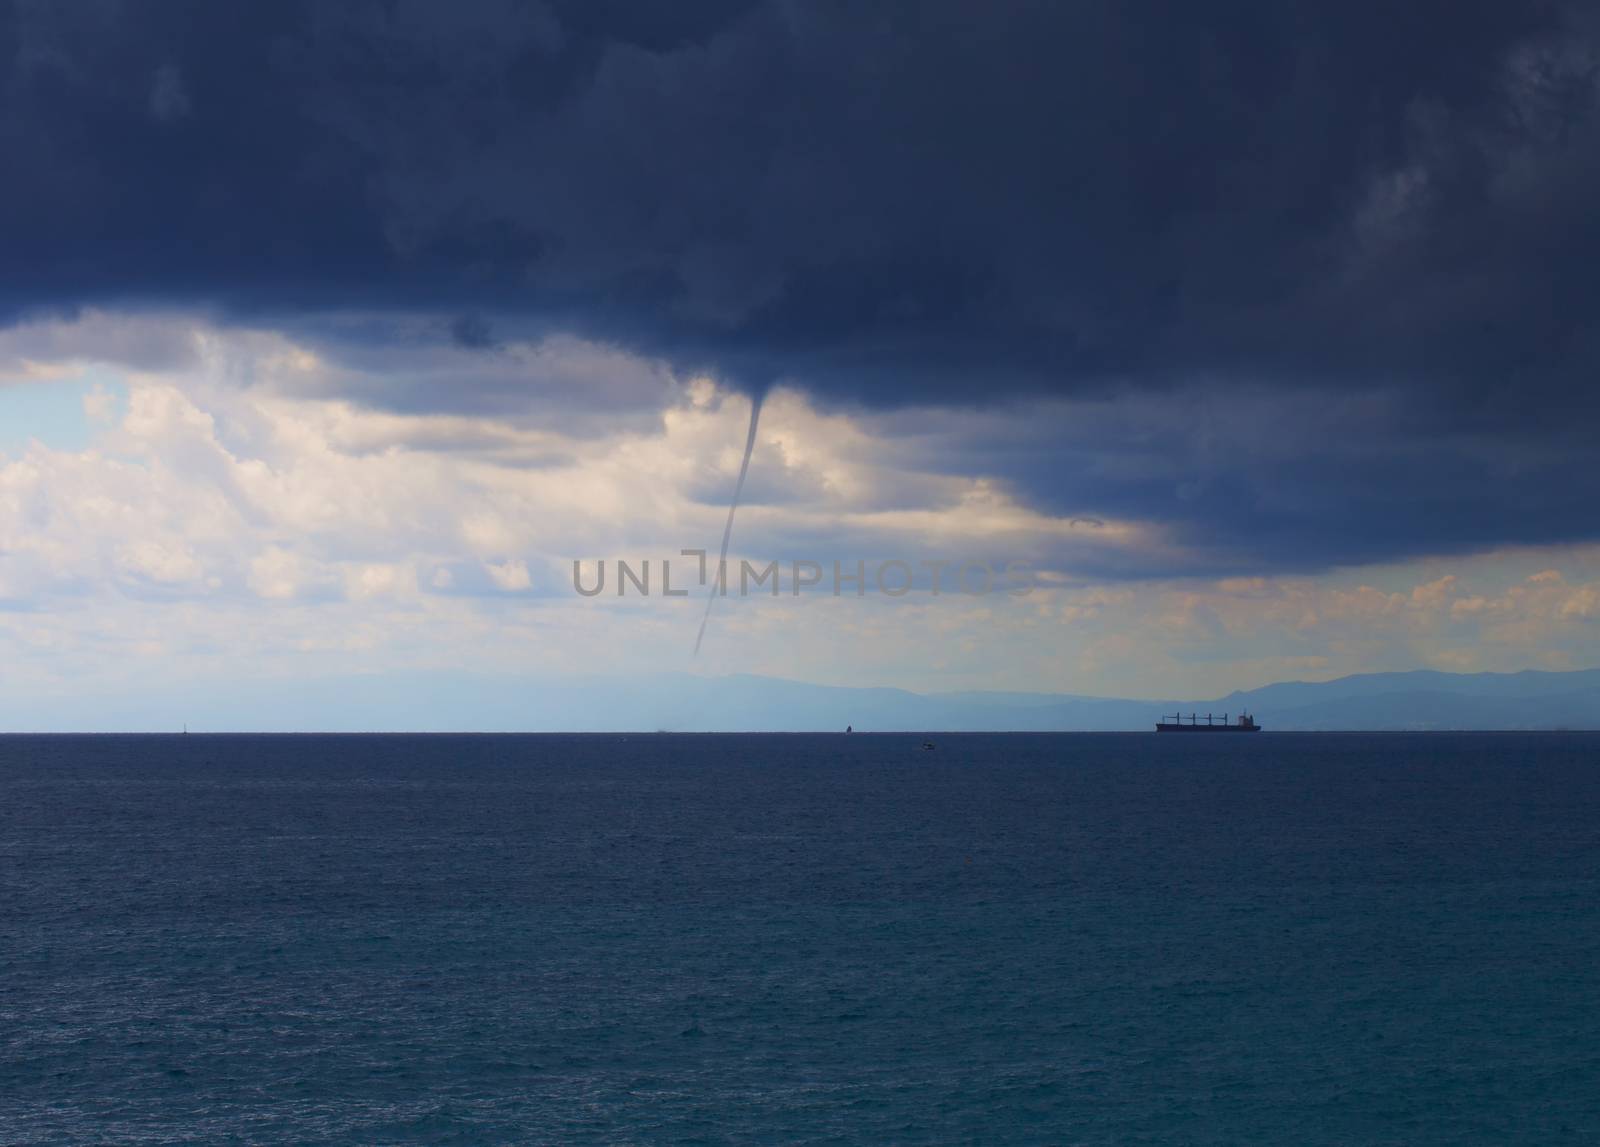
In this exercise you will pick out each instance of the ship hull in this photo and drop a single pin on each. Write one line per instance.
(1166, 727)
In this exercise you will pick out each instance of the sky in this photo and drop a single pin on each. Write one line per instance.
(1238, 342)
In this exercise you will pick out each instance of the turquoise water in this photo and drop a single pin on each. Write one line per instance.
(802, 939)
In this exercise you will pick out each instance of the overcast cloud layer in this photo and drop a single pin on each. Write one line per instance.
(1250, 270)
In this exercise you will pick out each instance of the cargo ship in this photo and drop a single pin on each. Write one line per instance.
(1178, 723)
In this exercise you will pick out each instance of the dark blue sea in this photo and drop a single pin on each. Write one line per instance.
(1074, 939)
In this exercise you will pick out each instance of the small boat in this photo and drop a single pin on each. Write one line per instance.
(927, 745)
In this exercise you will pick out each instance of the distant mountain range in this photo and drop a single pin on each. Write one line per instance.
(1419, 700)
(674, 702)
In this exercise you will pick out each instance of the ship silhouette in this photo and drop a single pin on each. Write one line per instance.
(1210, 724)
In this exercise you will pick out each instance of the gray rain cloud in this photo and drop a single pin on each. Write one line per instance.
(1311, 283)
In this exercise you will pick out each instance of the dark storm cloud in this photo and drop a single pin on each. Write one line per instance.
(473, 332)
(890, 204)
(1242, 476)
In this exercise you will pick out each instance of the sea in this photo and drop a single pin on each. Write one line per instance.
(766, 939)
